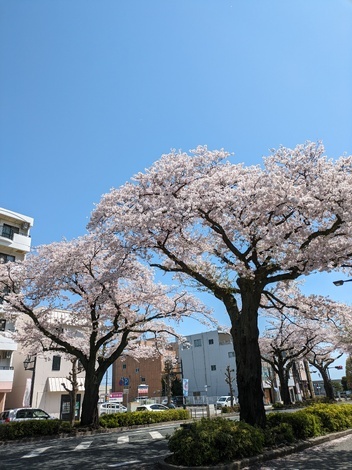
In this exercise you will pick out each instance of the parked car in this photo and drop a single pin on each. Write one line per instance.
(225, 400)
(173, 403)
(22, 414)
(111, 407)
(153, 407)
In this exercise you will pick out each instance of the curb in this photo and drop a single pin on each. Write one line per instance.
(266, 455)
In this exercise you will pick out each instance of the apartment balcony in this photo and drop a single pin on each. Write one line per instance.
(18, 242)
(6, 378)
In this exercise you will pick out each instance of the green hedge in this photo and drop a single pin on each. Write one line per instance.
(219, 440)
(230, 409)
(212, 441)
(51, 427)
(117, 420)
(304, 424)
(314, 420)
(332, 417)
(31, 428)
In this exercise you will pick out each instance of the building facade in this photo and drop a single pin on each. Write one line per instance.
(42, 381)
(207, 360)
(15, 243)
(141, 378)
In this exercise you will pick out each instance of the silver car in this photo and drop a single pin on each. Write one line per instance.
(153, 407)
(111, 407)
(22, 414)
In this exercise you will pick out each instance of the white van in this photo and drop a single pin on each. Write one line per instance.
(225, 400)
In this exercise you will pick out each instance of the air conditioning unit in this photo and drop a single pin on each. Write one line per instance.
(25, 226)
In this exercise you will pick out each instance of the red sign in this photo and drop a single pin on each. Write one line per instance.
(142, 389)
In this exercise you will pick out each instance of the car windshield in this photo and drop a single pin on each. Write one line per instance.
(39, 414)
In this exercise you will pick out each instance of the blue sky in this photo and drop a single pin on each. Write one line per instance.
(94, 91)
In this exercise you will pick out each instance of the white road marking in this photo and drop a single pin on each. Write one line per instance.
(83, 445)
(123, 439)
(124, 463)
(35, 453)
(156, 435)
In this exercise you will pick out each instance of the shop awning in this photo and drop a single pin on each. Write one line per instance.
(55, 384)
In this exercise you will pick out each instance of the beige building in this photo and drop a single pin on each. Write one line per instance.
(40, 381)
(43, 380)
(15, 243)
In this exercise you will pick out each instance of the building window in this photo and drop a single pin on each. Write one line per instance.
(142, 379)
(213, 367)
(3, 292)
(137, 369)
(2, 324)
(8, 231)
(211, 341)
(4, 258)
(124, 366)
(231, 354)
(197, 343)
(56, 363)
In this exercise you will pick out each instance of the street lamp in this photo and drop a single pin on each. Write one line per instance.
(341, 282)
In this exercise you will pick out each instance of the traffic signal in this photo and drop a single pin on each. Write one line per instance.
(338, 367)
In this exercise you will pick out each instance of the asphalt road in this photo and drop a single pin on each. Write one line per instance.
(142, 448)
(133, 450)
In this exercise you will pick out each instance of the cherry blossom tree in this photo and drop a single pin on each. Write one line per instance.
(235, 230)
(299, 327)
(322, 356)
(281, 346)
(93, 304)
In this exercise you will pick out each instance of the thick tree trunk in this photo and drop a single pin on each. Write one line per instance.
(245, 335)
(329, 389)
(89, 416)
(284, 388)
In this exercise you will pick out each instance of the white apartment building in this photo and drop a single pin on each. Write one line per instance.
(15, 243)
(207, 357)
(204, 364)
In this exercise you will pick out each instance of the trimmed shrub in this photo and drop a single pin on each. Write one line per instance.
(280, 434)
(303, 423)
(333, 417)
(117, 420)
(32, 428)
(214, 441)
(230, 409)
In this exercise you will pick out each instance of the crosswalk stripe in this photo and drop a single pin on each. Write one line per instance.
(156, 435)
(35, 453)
(123, 439)
(83, 445)
(122, 464)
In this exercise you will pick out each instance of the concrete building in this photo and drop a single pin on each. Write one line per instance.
(15, 243)
(205, 361)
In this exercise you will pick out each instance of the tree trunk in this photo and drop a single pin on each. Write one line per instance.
(329, 389)
(284, 388)
(74, 391)
(245, 333)
(89, 416)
